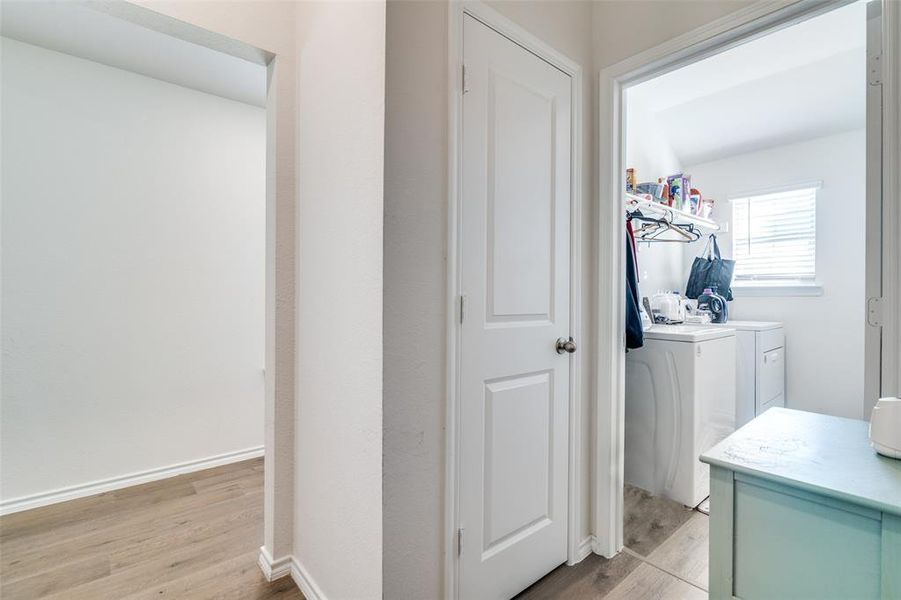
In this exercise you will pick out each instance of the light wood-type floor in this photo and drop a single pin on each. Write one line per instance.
(665, 558)
(195, 536)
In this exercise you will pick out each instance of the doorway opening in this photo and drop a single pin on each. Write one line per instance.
(728, 152)
(135, 272)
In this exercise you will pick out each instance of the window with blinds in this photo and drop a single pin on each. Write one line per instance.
(774, 236)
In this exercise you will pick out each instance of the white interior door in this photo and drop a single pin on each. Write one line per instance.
(514, 387)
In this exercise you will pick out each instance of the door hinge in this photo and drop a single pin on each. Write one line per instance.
(874, 312)
(874, 69)
(459, 542)
(462, 305)
(465, 82)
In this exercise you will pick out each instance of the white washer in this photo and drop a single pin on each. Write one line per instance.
(680, 402)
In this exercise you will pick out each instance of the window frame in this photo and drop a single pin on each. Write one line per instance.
(776, 286)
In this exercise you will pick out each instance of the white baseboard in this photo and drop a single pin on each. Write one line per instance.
(114, 483)
(274, 569)
(302, 578)
(586, 548)
(601, 551)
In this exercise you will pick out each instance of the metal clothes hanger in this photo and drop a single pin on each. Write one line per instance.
(654, 230)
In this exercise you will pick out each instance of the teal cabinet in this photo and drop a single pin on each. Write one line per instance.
(802, 507)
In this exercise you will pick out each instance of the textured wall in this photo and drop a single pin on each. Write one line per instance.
(133, 273)
(338, 426)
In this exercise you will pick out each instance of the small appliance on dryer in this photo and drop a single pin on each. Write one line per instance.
(680, 402)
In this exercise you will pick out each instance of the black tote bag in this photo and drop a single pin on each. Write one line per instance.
(710, 270)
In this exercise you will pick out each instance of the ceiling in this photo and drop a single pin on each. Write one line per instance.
(76, 29)
(802, 82)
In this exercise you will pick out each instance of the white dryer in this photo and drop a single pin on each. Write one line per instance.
(680, 402)
(759, 367)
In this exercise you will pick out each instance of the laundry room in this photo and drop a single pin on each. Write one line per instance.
(746, 270)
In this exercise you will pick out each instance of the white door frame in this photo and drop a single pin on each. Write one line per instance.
(515, 33)
(741, 26)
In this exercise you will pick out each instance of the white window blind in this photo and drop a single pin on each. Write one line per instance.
(774, 235)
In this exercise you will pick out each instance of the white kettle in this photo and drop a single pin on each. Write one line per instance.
(885, 427)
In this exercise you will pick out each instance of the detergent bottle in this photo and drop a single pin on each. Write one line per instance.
(715, 304)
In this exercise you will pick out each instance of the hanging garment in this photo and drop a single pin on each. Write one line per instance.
(634, 332)
(630, 233)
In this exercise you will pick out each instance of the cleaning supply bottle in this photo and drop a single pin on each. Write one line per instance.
(715, 304)
(679, 303)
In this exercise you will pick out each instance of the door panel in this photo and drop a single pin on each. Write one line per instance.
(517, 475)
(519, 199)
(515, 276)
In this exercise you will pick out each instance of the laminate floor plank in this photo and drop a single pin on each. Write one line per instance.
(194, 536)
(42, 585)
(591, 579)
(130, 534)
(686, 553)
(109, 526)
(649, 519)
(666, 558)
(40, 532)
(179, 562)
(240, 576)
(104, 505)
(650, 583)
(244, 519)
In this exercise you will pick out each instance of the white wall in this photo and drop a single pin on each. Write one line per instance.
(133, 273)
(623, 28)
(824, 334)
(414, 298)
(650, 153)
(338, 425)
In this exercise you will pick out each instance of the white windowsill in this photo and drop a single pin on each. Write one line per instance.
(762, 290)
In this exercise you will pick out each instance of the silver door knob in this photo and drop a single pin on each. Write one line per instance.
(566, 345)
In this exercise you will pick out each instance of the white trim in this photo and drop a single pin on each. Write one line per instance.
(454, 177)
(586, 548)
(739, 27)
(305, 582)
(746, 289)
(891, 194)
(509, 29)
(873, 214)
(114, 483)
(273, 569)
(777, 189)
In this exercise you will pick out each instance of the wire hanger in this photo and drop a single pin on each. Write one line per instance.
(661, 230)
